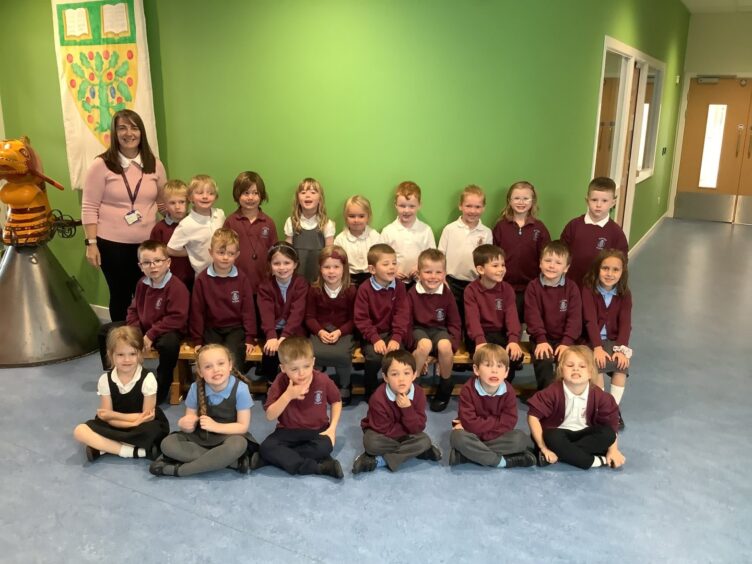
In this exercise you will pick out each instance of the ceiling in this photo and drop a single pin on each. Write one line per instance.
(717, 6)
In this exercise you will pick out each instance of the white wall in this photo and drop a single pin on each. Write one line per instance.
(719, 44)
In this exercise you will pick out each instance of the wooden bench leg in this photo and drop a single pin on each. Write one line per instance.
(181, 377)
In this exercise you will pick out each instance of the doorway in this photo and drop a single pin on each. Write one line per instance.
(715, 169)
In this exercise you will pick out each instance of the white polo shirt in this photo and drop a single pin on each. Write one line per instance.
(408, 242)
(194, 234)
(458, 241)
(575, 409)
(357, 247)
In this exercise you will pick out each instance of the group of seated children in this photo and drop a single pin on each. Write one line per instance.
(392, 290)
(570, 420)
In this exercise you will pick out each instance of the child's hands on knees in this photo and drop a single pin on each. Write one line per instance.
(560, 350)
(392, 346)
(457, 424)
(622, 362)
(601, 357)
(543, 350)
(380, 346)
(514, 350)
(271, 346)
(614, 457)
(147, 343)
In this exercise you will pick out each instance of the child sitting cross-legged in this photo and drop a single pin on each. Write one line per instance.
(305, 435)
(393, 428)
(484, 430)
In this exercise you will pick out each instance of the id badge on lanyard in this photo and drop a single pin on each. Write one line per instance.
(133, 216)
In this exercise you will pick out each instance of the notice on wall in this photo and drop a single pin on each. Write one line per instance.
(103, 67)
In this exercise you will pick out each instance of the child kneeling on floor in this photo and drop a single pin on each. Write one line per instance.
(393, 427)
(214, 430)
(304, 438)
(484, 431)
(571, 420)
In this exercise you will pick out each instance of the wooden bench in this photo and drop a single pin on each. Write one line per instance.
(182, 376)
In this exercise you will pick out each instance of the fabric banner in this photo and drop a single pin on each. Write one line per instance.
(103, 66)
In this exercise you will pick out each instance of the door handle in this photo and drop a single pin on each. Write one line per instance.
(611, 136)
(739, 129)
(600, 136)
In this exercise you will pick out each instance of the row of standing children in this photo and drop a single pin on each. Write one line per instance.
(570, 421)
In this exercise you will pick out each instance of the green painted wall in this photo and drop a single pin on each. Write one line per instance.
(363, 94)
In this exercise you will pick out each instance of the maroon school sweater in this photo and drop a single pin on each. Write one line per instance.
(309, 412)
(586, 241)
(385, 311)
(522, 249)
(272, 307)
(323, 311)
(488, 417)
(553, 313)
(436, 310)
(617, 317)
(179, 266)
(491, 310)
(548, 406)
(255, 240)
(222, 301)
(385, 417)
(156, 311)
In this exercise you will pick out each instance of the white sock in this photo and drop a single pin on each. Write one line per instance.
(126, 451)
(617, 392)
(597, 462)
(142, 453)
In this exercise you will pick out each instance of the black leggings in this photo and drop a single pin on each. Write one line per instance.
(579, 447)
(121, 271)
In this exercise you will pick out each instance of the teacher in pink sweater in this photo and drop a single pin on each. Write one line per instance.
(119, 207)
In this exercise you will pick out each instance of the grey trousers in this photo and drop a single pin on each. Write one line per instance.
(395, 451)
(197, 459)
(489, 453)
(338, 355)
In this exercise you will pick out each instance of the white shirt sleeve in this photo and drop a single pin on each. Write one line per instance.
(288, 227)
(330, 229)
(103, 387)
(179, 237)
(149, 386)
(444, 240)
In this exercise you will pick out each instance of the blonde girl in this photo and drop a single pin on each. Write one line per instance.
(309, 229)
(129, 423)
(357, 237)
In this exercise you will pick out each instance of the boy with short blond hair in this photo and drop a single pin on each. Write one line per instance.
(484, 431)
(591, 233)
(393, 428)
(407, 234)
(553, 311)
(305, 435)
(159, 310)
(174, 197)
(222, 308)
(436, 324)
(381, 313)
(460, 238)
(193, 234)
(490, 307)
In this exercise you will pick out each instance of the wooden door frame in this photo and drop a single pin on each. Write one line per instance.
(633, 56)
(679, 143)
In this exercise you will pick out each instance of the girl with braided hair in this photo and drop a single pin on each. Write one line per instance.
(214, 430)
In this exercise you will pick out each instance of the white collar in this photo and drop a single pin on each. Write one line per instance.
(601, 223)
(462, 225)
(148, 281)
(393, 397)
(570, 395)
(421, 289)
(417, 224)
(125, 162)
(309, 223)
(353, 238)
(332, 293)
(213, 273)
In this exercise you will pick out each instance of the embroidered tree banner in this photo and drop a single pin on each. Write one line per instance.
(103, 67)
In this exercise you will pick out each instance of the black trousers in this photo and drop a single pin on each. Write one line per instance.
(372, 365)
(168, 347)
(121, 271)
(543, 367)
(296, 451)
(578, 447)
(231, 337)
(458, 291)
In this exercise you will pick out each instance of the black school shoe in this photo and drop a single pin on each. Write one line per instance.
(331, 467)
(364, 463)
(432, 453)
(164, 467)
(346, 396)
(443, 395)
(243, 464)
(92, 454)
(524, 459)
(621, 422)
(542, 459)
(256, 461)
